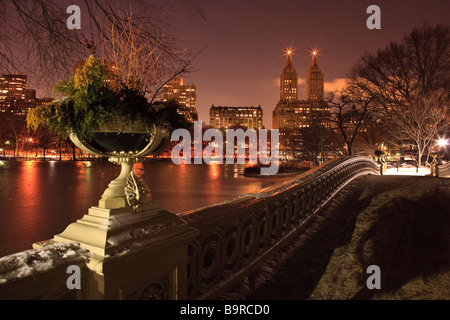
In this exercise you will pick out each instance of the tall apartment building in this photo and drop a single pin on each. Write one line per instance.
(314, 81)
(12, 86)
(291, 113)
(292, 116)
(229, 117)
(184, 94)
(289, 82)
(15, 98)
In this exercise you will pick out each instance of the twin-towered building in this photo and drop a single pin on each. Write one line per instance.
(292, 113)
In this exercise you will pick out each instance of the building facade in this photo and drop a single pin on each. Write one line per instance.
(291, 113)
(15, 98)
(12, 86)
(292, 116)
(15, 102)
(184, 94)
(314, 82)
(232, 117)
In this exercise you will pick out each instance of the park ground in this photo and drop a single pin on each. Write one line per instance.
(399, 223)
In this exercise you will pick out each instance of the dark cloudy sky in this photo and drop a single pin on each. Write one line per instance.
(244, 40)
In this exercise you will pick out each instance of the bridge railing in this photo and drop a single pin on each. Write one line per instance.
(201, 255)
(237, 236)
(42, 273)
(443, 170)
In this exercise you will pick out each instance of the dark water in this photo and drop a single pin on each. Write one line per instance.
(38, 199)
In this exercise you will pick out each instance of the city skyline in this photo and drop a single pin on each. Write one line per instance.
(244, 44)
(121, 189)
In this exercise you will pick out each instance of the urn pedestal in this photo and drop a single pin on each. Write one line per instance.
(139, 249)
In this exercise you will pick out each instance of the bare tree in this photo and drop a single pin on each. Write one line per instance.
(144, 63)
(410, 83)
(317, 142)
(421, 122)
(34, 37)
(349, 109)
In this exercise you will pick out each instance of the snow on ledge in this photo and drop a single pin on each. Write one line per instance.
(34, 261)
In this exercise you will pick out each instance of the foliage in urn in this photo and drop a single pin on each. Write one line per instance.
(94, 95)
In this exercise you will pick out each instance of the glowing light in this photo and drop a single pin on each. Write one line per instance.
(289, 51)
(30, 140)
(442, 142)
(314, 52)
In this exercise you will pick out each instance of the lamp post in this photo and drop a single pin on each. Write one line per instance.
(437, 158)
(30, 142)
(7, 143)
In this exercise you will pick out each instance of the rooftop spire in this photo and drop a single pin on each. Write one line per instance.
(289, 59)
(314, 63)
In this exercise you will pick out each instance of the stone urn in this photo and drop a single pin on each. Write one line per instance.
(126, 217)
(136, 247)
(125, 144)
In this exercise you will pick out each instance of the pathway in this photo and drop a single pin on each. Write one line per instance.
(399, 223)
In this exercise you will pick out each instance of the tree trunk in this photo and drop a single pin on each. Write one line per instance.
(419, 157)
(428, 155)
(349, 147)
(73, 152)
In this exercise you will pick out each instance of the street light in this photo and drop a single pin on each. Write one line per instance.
(442, 142)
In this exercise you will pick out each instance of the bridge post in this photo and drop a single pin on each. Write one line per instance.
(134, 255)
(432, 170)
(443, 170)
(383, 168)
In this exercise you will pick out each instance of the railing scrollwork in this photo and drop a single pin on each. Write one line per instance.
(235, 236)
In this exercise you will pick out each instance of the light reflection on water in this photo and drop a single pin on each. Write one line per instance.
(38, 199)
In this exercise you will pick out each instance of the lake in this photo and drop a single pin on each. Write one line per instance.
(38, 199)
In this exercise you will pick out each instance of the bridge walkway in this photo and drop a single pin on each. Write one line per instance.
(399, 223)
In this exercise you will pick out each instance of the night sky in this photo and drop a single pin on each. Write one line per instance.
(244, 43)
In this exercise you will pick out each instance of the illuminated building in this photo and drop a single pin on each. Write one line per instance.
(314, 81)
(12, 86)
(292, 115)
(16, 99)
(233, 117)
(289, 82)
(183, 94)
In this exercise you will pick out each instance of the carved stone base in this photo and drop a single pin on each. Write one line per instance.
(134, 255)
(114, 232)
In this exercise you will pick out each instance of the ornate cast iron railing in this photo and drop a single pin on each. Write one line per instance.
(443, 170)
(226, 242)
(237, 236)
